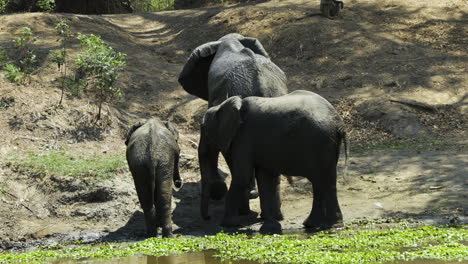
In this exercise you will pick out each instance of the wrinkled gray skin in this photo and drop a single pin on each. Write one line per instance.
(296, 134)
(153, 159)
(331, 8)
(233, 65)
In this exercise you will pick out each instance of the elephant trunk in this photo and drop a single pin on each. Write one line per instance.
(212, 184)
(205, 199)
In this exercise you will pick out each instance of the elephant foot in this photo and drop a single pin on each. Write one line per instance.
(278, 216)
(316, 224)
(230, 222)
(167, 234)
(218, 190)
(150, 234)
(271, 227)
(248, 212)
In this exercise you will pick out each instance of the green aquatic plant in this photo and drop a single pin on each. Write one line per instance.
(349, 246)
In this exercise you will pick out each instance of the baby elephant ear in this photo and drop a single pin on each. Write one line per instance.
(255, 45)
(173, 130)
(194, 75)
(131, 130)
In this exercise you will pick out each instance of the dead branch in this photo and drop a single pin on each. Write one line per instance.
(416, 104)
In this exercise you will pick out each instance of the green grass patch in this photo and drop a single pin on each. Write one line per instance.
(348, 246)
(58, 163)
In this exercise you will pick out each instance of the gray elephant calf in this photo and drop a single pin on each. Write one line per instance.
(295, 134)
(153, 159)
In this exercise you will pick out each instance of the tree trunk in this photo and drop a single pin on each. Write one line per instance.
(93, 6)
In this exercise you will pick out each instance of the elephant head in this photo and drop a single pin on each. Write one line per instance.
(194, 75)
(220, 123)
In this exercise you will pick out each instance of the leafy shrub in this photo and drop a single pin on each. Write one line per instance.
(152, 5)
(14, 74)
(26, 55)
(46, 5)
(100, 65)
(26, 37)
(2, 6)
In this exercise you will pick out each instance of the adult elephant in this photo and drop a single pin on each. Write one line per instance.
(296, 134)
(234, 65)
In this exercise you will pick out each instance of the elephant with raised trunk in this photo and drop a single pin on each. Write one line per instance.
(296, 134)
(153, 159)
(234, 65)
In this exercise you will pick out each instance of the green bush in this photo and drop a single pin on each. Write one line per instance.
(100, 64)
(27, 57)
(2, 6)
(46, 5)
(152, 5)
(14, 74)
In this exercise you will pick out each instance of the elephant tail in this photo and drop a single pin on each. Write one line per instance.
(176, 176)
(346, 153)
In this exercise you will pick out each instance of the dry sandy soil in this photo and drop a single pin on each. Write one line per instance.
(408, 156)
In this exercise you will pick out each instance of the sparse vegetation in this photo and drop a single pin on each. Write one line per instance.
(26, 58)
(56, 163)
(60, 57)
(152, 5)
(14, 74)
(349, 246)
(100, 64)
(2, 6)
(26, 55)
(6, 102)
(46, 5)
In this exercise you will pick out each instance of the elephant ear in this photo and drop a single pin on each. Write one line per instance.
(131, 130)
(194, 75)
(254, 45)
(228, 122)
(173, 130)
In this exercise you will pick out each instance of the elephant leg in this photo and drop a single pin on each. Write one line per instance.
(163, 199)
(236, 198)
(317, 213)
(326, 212)
(270, 201)
(330, 8)
(244, 205)
(333, 215)
(144, 180)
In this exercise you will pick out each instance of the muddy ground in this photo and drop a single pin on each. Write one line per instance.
(395, 70)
